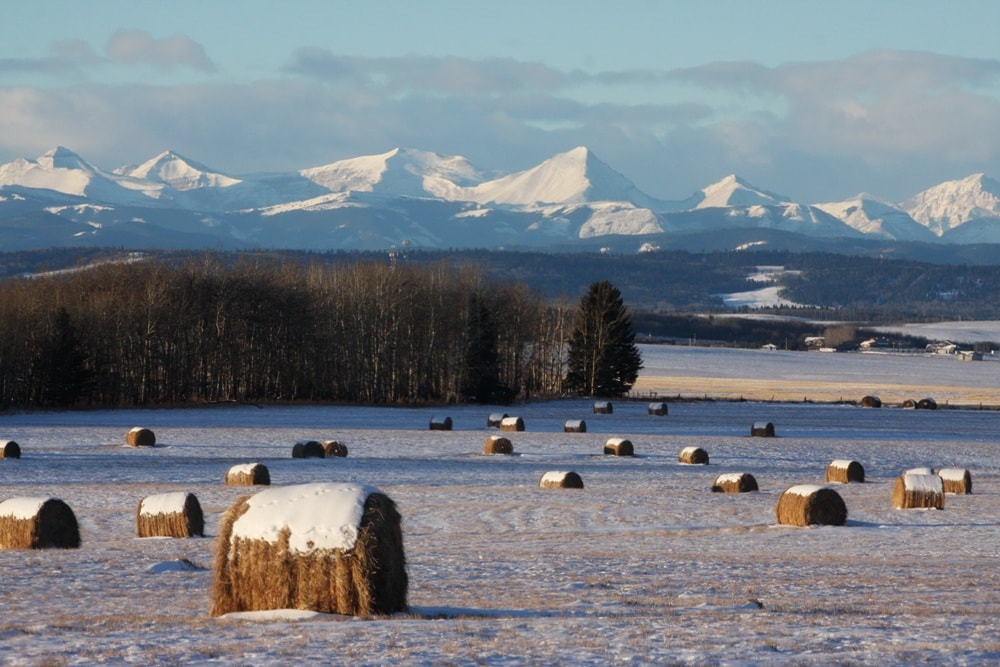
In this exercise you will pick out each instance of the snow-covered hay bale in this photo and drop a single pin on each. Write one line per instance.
(140, 437)
(248, 474)
(845, 471)
(923, 470)
(926, 404)
(9, 449)
(871, 402)
(811, 504)
(37, 523)
(734, 482)
(307, 449)
(511, 424)
(331, 548)
(440, 423)
(575, 426)
(693, 455)
(603, 408)
(762, 430)
(908, 404)
(916, 490)
(956, 480)
(658, 409)
(619, 447)
(494, 419)
(334, 448)
(170, 515)
(497, 444)
(560, 480)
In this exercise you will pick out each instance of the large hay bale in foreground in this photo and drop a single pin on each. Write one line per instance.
(170, 515)
(734, 482)
(916, 490)
(9, 449)
(140, 437)
(511, 424)
(603, 408)
(556, 479)
(334, 448)
(497, 444)
(810, 504)
(37, 523)
(494, 419)
(619, 447)
(248, 474)
(762, 430)
(845, 471)
(956, 480)
(659, 409)
(332, 548)
(440, 423)
(308, 449)
(575, 426)
(693, 455)
(871, 402)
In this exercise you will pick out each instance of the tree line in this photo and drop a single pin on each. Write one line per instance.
(215, 329)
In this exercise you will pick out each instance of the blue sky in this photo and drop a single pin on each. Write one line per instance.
(815, 100)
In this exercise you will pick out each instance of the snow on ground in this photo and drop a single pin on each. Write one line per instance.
(643, 566)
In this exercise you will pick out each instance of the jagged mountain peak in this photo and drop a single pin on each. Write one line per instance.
(61, 157)
(953, 203)
(735, 191)
(178, 172)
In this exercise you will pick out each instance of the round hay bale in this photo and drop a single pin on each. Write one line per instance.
(560, 480)
(926, 404)
(330, 548)
(909, 404)
(845, 471)
(871, 402)
(917, 491)
(440, 423)
(170, 515)
(575, 426)
(307, 449)
(9, 449)
(956, 480)
(511, 424)
(37, 523)
(493, 421)
(140, 437)
(659, 409)
(693, 455)
(619, 447)
(248, 474)
(734, 482)
(810, 504)
(603, 408)
(923, 470)
(497, 444)
(762, 430)
(334, 448)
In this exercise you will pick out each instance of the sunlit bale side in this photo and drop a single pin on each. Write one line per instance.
(170, 515)
(619, 447)
(37, 523)
(845, 471)
(914, 490)
(956, 480)
(693, 455)
(497, 444)
(248, 474)
(140, 437)
(735, 482)
(556, 479)
(810, 504)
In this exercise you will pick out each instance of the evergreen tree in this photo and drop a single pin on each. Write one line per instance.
(602, 359)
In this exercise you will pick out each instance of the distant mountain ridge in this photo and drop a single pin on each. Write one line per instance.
(409, 197)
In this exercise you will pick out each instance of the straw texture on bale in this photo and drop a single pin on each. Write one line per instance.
(560, 480)
(160, 516)
(619, 447)
(497, 444)
(248, 474)
(511, 424)
(307, 449)
(918, 491)
(9, 449)
(38, 523)
(658, 409)
(926, 404)
(575, 426)
(735, 482)
(694, 455)
(762, 430)
(810, 504)
(140, 437)
(365, 580)
(871, 402)
(494, 419)
(334, 448)
(603, 408)
(956, 480)
(440, 423)
(845, 471)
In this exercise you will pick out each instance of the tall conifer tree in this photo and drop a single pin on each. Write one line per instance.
(603, 359)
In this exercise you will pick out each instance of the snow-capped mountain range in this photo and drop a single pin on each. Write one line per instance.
(409, 197)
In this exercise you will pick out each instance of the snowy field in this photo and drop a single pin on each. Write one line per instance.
(642, 566)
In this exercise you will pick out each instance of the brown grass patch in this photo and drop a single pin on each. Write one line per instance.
(807, 505)
(186, 521)
(52, 525)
